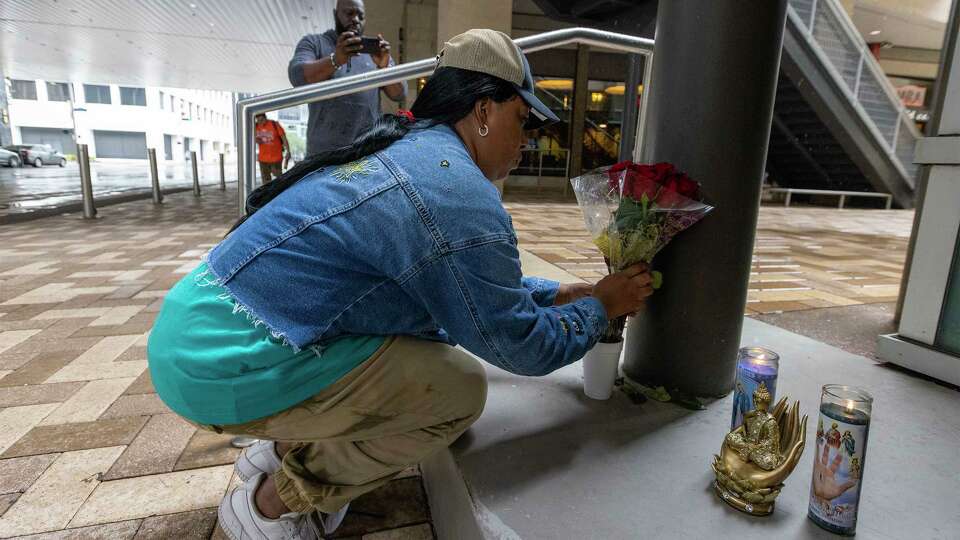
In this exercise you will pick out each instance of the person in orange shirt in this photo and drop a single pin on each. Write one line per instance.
(272, 145)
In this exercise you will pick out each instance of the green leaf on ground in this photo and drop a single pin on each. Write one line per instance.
(687, 402)
(631, 391)
(662, 395)
(657, 394)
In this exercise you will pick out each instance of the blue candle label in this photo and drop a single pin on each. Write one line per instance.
(749, 377)
(837, 470)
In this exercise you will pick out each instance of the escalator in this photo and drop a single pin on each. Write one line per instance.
(838, 123)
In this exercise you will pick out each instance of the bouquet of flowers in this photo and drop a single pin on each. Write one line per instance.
(633, 211)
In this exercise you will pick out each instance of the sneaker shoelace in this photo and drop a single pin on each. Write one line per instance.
(311, 526)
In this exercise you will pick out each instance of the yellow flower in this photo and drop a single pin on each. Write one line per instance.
(603, 244)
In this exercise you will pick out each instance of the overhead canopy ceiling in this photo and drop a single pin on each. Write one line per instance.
(234, 45)
(244, 45)
(904, 23)
(636, 17)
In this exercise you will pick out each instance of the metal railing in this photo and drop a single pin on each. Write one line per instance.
(561, 170)
(246, 109)
(844, 53)
(842, 194)
(86, 178)
(86, 182)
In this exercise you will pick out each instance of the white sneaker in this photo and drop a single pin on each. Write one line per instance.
(330, 522)
(260, 457)
(240, 519)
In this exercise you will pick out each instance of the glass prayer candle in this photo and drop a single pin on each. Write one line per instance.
(754, 365)
(838, 460)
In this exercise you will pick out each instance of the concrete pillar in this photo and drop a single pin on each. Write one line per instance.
(713, 84)
(6, 135)
(578, 113)
(457, 16)
(419, 37)
(386, 17)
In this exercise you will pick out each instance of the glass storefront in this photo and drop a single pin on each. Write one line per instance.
(548, 148)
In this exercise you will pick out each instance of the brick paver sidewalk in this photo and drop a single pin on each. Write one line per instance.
(87, 450)
(85, 444)
(804, 258)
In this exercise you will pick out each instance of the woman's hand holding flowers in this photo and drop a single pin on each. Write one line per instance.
(626, 291)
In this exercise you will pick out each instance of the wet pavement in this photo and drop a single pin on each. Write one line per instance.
(45, 190)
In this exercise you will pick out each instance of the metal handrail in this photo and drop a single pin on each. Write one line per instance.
(246, 109)
(865, 58)
(868, 59)
(842, 194)
(549, 151)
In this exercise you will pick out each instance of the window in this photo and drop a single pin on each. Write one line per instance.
(58, 91)
(181, 107)
(95, 93)
(23, 89)
(290, 115)
(161, 101)
(133, 96)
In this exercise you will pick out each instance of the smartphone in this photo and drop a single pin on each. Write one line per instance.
(369, 45)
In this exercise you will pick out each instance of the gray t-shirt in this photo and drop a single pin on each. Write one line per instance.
(335, 122)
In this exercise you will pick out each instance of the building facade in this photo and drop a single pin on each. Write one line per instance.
(121, 122)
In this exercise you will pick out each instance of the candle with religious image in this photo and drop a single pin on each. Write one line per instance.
(755, 365)
(838, 460)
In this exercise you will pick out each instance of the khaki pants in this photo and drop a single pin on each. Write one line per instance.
(270, 171)
(408, 400)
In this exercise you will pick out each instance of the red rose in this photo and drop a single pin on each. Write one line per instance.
(668, 196)
(613, 173)
(641, 185)
(622, 166)
(663, 170)
(641, 180)
(687, 187)
(661, 182)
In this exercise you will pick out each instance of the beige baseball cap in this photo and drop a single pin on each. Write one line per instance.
(494, 53)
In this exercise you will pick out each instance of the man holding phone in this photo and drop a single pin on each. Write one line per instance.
(341, 52)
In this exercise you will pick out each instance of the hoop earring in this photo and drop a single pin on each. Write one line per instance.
(483, 131)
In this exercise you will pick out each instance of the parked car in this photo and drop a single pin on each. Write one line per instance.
(9, 158)
(39, 155)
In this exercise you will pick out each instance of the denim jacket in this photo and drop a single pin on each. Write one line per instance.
(410, 240)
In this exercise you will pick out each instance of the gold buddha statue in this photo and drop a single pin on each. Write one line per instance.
(758, 455)
(757, 440)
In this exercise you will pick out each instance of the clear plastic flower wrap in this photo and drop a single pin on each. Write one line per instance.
(632, 211)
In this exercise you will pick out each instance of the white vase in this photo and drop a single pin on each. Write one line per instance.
(600, 369)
